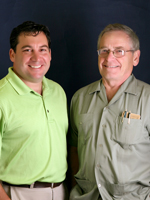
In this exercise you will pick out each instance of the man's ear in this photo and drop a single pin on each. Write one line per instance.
(136, 57)
(12, 55)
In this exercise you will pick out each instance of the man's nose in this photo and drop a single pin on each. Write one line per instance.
(110, 55)
(35, 56)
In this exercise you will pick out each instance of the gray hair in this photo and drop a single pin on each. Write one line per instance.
(120, 27)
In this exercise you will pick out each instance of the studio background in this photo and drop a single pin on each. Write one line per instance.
(74, 26)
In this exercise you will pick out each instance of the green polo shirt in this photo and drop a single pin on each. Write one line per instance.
(32, 132)
(113, 151)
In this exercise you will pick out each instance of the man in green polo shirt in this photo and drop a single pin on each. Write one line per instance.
(110, 125)
(33, 121)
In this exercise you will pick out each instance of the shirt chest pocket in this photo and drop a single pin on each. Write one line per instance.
(85, 127)
(127, 131)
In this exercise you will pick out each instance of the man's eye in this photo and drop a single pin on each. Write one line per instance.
(104, 50)
(118, 50)
(27, 50)
(43, 50)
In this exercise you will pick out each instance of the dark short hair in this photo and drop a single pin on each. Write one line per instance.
(121, 27)
(28, 28)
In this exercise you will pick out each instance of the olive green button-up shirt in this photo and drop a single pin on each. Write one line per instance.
(113, 148)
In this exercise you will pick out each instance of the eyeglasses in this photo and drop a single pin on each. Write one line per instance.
(118, 53)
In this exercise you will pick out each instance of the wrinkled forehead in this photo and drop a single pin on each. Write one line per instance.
(115, 39)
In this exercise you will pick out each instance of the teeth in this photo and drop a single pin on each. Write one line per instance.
(111, 66)
(36, 67)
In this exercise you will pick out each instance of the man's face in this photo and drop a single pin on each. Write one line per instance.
(31, 60)
(114, 69)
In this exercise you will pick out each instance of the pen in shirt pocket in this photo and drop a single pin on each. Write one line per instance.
(129, 115)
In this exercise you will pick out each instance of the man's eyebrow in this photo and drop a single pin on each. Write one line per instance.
(29, 46)
(118, 47)
(45, 46)
(26, 46)
(103, 47)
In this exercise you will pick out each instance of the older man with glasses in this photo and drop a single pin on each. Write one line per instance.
(110, 125)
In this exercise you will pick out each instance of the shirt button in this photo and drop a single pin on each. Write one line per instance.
(48, 111)
(98, 166)
(101, 145)
(104, 125)
(99, 185)
(105, 108)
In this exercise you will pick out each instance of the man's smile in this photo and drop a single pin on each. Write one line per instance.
(35, 67)
(111, 66)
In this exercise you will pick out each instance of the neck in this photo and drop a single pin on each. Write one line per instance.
(111, 88)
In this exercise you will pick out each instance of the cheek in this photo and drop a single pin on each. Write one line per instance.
(100, 61)
(128, 63)
(48, 59)
(19, 59)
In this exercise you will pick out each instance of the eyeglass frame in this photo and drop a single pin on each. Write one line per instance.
(108, 51)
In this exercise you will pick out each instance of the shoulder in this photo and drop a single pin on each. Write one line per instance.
(52, 83)
(142, 90)
(4, 85)
(3, 82)
(54, 86)
(85, 94)
(88, 89)
(142, 86)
